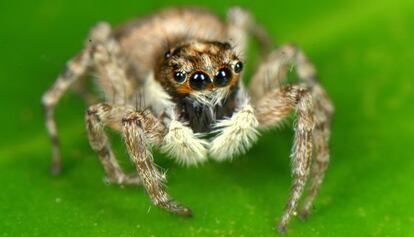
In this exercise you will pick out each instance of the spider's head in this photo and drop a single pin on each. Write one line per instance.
(207, 71)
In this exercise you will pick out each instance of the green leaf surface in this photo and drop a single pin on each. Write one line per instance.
(363, 51)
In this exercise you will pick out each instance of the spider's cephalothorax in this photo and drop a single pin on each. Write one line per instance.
(202, 79)
(171, 78)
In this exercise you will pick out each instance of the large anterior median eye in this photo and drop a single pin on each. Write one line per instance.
(199, 80)
(223, 77)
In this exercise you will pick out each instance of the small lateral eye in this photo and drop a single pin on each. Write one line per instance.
(238, 67)
(179, 77)
(223, 77)
(167, 54)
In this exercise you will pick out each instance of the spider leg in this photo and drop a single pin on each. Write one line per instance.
(97, 117)
(324, 111)
(93, 56)
(271, 110)
(272, 72)
(323, 115)
(239, 24)
(270, 76)
(112, 70)
(141, 130)
(75, 69)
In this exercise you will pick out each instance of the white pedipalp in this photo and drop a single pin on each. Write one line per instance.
(235, 135)
(185, 146)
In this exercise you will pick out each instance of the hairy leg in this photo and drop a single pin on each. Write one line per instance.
(272, 72)
(97, 117)
(75, 69)
(112, 70)
(270, 75)
(323, 117)
(142, 130)
(270, 111)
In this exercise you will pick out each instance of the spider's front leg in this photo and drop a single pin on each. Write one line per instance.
(97, 117)
(141, 131)
(271, 110)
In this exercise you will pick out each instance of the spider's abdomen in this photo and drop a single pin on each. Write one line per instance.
(146, 39)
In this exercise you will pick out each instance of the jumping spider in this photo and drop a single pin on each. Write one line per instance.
(173, 80)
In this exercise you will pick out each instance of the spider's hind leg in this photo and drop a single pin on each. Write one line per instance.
(323, 117)
(75, 70)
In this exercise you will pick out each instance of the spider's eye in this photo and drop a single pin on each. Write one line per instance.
(179, 77)
(223, 77)
(238, 67)
(167, 54)
(199, 80)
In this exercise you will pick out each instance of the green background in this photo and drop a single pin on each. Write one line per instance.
(364, 53)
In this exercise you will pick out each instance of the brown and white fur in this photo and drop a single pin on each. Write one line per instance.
(188, 118)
